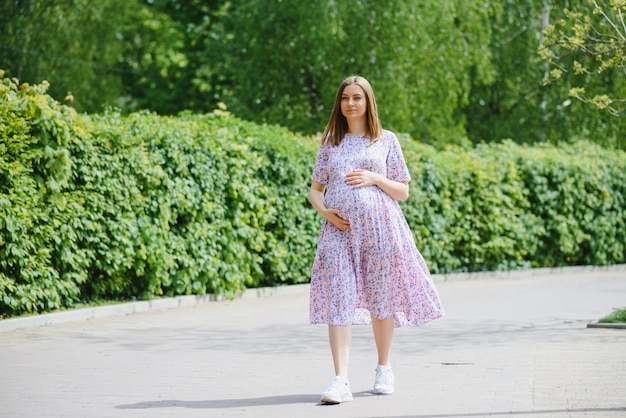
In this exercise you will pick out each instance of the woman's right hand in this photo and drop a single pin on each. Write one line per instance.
(316, 196)
(333, 217)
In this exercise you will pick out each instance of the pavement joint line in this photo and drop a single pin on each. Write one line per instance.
(127, 308)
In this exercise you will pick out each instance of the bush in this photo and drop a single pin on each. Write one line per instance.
(193, 204)
(505, 206)
(118, 207)
(114, 207)
(578, 192)
(469, 209)
(618, 316)
(41, 267)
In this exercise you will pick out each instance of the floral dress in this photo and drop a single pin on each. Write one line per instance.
(374, 268)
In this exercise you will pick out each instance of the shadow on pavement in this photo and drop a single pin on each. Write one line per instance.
(235, 403)
(225, 403)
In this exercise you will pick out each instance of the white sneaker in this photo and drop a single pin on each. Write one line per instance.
(383, 384)
(338, 391)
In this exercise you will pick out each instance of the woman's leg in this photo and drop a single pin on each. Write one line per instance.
(383, 335)
(340, 340)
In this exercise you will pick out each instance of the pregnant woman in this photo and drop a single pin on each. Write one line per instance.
(367, 269)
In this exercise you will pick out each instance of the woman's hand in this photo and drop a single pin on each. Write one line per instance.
(316, 196)
(333, 217)
(362, 178)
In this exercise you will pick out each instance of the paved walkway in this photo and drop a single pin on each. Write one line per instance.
(517, 346)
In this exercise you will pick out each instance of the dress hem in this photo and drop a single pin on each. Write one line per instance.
(397, 323)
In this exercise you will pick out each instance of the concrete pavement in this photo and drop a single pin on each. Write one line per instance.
(508, 346)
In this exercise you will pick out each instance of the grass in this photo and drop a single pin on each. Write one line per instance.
(618, 316)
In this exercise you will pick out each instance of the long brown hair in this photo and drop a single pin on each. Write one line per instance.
(337, 125)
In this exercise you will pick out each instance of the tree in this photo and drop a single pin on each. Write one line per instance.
(518, 104)
(175, 56)
(286, 61)
(279, 61)
(74, 44)
(514, 104)
(443, 70)
(590, 44)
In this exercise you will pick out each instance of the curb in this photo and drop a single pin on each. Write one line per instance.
(614, 325)
(55, 318)
(122, 309)
(519, 274)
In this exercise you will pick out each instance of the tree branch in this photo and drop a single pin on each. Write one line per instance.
(595, 3)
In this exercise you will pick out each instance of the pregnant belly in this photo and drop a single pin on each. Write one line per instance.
(351, 202)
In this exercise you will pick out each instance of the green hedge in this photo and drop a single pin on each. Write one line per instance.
(505, 206)
(112, 207)
(118, 207)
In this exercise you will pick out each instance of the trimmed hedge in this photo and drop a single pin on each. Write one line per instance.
(118, 207)
(506, 206)
(108, 207)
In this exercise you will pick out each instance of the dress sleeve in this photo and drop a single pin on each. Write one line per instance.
(320, 170)
(396, 166)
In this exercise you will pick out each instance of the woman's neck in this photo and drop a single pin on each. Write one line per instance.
(357, 128)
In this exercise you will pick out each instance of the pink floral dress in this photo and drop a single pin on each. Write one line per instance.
(374, 268)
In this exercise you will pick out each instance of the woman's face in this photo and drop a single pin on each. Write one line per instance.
(353, 103)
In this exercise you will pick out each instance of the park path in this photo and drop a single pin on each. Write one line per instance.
(507, 347)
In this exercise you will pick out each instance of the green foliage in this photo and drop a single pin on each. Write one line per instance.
(113, 206)
(190, 205)
(506, 206)
(163, 58)
(445, 71)
(518, 104)
(469, 209)
(144, 205)
(589, 41)
(579, 192)
(77, 45)
(285, 66)
(616, 317)
(40, 267)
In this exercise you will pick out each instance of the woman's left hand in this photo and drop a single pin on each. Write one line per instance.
(361, 178)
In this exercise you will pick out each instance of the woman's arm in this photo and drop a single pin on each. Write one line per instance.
(316, 197)
(362, 178)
